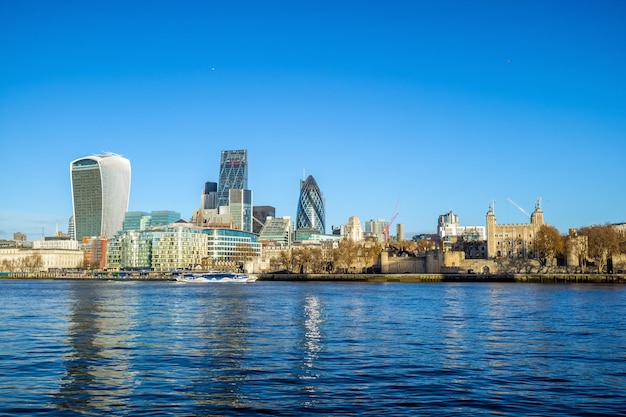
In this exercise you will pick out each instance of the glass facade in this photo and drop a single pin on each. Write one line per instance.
(240, 203)
(100, 192)
(311, 207)
(233, 174)
(136, 220)
(140, 220)
(260, 215)
(225, 244)
(278, 230)
(166, 248)
(177, 247)
(208, 200)
(164, 217)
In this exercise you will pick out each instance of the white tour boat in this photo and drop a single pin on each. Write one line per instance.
(216, 276)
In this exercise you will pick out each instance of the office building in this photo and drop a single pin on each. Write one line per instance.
(260, 214)
(353, 230)
(277, 230)
(311, 212)
(140, 220)
(233, 174)
(136, 220)
(71, 231)
(100, 192)
(376, 229)
(240, 207)
(208, 199)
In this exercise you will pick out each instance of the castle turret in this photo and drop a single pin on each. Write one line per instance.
(491, 231)
(537, 216)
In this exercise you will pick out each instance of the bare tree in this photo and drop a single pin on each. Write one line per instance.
(424, 245)
(603, 242)
(548, 244)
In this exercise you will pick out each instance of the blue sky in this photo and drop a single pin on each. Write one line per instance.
(438, 105)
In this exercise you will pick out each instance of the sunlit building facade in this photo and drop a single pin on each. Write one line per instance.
(353, 230)
(100, 193)
(278, 230)
(180, 245)
(229, 244)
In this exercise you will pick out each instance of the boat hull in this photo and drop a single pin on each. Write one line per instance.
(215, 277)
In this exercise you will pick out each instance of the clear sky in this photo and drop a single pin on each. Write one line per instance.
(439, 105)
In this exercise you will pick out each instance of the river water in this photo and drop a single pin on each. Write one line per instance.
(286, 348)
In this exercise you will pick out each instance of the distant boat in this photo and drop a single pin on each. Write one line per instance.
(216, 276)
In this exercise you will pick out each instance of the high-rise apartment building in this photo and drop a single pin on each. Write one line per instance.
(233, 174)
(100, 192)
(311, 207)
(399, 232)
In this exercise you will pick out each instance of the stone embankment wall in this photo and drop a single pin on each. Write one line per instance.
(529, 278)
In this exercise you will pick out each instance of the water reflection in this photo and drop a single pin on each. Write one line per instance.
(97, 378)
(311, 345)
(223, 335)
(293, 349)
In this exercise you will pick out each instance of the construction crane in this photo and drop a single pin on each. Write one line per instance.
(391, 219)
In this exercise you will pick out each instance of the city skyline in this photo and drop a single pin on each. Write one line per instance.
(444, 106)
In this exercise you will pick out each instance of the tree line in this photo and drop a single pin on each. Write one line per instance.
(30, 263)
(347, 256)
(593, 247)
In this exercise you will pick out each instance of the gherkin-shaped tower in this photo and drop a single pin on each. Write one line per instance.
(311, 207)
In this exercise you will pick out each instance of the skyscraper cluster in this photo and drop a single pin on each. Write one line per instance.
(101, 189)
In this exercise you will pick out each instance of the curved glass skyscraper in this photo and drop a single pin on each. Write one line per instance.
(311, 207)
(100, 192)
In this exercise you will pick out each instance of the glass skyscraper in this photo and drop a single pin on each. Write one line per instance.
(100, 192)
(240, 207)
(311, 207)
(233, 174)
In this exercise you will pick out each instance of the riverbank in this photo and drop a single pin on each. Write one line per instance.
(535, 278)
(416, 278)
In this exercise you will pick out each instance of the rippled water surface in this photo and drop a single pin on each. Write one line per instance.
(168, 348)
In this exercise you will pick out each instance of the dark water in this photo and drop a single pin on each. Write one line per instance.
(167, 348)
